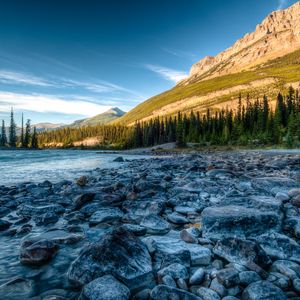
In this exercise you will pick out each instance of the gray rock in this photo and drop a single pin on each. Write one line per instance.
(119, 253)
(119, 159)
(266, 184)
(287, 268)
(229, 221)
(169, 281)
(135, 229)
(37, 252)
(279, 280)
(181, 283)
(163, 292)
(207, 294)
(197, 277)
(82, 199)
(175, 270)
(263, 290)
(29, 210)
(4, 225)
(244, 252)
(279, 246)
(106, 214)
(177, 218)
(142, 295)
(188, 237)
(218, 288)
(228, 277)
(248, 277)
(105, 288)
(46, 218)
(155, 224)
(296, 285)
(17, 288)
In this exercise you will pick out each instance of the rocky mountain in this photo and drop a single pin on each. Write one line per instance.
(265, 61)
(277, 35)
(101, 119)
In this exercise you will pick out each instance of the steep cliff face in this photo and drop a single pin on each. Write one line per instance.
(276, 36)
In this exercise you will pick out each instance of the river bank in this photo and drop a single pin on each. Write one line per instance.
(212, 226)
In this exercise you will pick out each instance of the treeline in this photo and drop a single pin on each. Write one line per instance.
(251, 122)
(26, 139)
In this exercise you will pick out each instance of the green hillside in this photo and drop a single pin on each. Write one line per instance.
(286, 69)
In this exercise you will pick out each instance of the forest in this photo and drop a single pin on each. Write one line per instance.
(253, 122)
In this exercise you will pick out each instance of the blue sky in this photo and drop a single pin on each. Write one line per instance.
(63, 60)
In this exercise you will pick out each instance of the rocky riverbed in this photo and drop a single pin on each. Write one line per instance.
(196, 226)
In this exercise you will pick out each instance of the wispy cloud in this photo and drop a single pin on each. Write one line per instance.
(11, 77)
(282, 4)
(180, 53)
(49, 104)
(167, 73)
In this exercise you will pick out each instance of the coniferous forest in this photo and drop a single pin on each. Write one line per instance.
(27, 139)
(253, 122)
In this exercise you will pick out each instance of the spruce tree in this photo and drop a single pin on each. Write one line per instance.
(27, 134)
(3, 139)
(34, 139)
(22, 132)
(12, 131)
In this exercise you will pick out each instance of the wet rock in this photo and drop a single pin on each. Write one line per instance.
(46, 219)
(119, 159)
(218, 288)
(226, 221)
(287, 268)
(175, 270)
(17, 288)
(105, 288)
(155, 224)
(119, 253)
(228, 277)
(106, 214)
(82, 181)
(37, 253)
(263, 290)
(279, 280)
(4, 225)
(207, 294)
(135, 229)
(177, 218)
(80, 200)
(197, 277)
(279, 246)
(29, 210)
(163, 292)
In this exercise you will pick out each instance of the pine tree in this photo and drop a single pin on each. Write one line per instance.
(22, 132)
(12, 131)
(27, 136)
(3, 139)
(180, 133)
(34, 139)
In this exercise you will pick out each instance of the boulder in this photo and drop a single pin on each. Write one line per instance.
(207, 294)
(37, 252)
(175, 270)
(119, 253)
(229, 221)
(106, 287)
(80, 200)
(279, 246)
(263, 290)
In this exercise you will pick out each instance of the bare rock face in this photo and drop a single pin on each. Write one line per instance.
(277, 35)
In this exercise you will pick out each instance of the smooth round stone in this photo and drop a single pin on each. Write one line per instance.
(169, 281)
(174, 270)
(218, 288)
(282, 197)
(177, 218)
(263, 290)
(207, 294)
(197, 277)
(181, 283)
(296, 285)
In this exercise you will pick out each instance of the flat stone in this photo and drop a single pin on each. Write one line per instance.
(279, 246)
(106, 288)
(228, 221)
(120, 253)
(177, 218)
(155, 224)
(106, 214)
(263, 290)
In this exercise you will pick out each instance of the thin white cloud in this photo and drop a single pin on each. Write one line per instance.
(180, 53)
(167, 73)
(11, 77)
(282, 4)
(49, 104)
